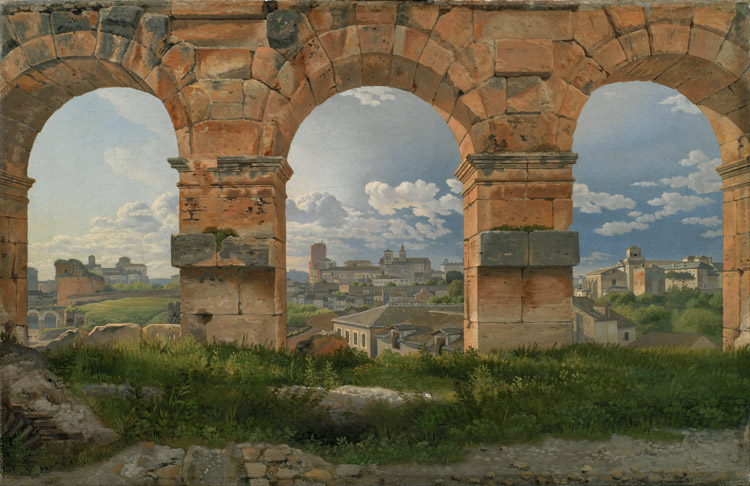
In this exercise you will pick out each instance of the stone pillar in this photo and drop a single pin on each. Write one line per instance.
(736, 277)
(13, 254)
(231, 249)
(518, 284)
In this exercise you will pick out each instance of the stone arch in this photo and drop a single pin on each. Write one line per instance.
(702, 52)
(337, 47)
(48, 57)
(53, 313)
(37, 314)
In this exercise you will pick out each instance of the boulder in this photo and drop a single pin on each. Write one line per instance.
(38, 397)
(160, 332)
(65, 339)
(110, 334)
(321, 343)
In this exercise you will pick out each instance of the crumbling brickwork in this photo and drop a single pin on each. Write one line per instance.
(238, 78)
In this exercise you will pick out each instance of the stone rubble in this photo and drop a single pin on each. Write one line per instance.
(703, 457)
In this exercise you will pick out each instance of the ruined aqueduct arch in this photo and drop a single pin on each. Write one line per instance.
(238, 78)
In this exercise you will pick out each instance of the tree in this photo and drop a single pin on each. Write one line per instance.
(701, 321)
(682, 277)
(157, 286)
(653, 318)
(172, 286)
(453, 275)
(456, 288)
(390, 284)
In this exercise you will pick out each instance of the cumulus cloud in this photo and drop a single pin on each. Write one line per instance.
(674, 202)
(420, 196)
(709, 222)
(591, 202)
(371, 95)
(680, 103)
(712, 234)
(316, 206)
(137, 230)
(137, 162)
(455, 185)
(645, 184)
(704, 180)
(634, 214)
(620, 227)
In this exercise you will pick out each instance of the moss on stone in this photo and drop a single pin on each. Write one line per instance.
(221, 234)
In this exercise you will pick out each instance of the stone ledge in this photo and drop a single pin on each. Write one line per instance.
(553, 249)
(201, 250)
(518, 249)
(193, 250)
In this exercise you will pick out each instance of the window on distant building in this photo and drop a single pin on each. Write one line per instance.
(614, 281)
(363, 340)
(347, 336)
(355, 338)
(627, 336)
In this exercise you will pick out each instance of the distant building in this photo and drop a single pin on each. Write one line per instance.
(73, 278)
(604, 281)
(317, 255)
(597, 323)
(124, 271)
(32, 279)
(640, 276)
(359, 271)
(360, 329)
(416, 269)
(673, 340)
(447, 266)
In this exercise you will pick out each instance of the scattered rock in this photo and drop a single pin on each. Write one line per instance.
(617, 474)
(161, 332)
(110, 334)
(348, 470)
(317, 475)
(64, 340)
(324, 342)
(255, 469)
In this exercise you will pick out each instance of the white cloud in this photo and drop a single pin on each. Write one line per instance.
(371, 95)
(620, 227)
(420, 197)
(704, 181)
(597, 256)
(634, 214)
(455, 185)
(316, 206)
(680, 103)
(645, 184)
(137, 230)
(140, 108)
(712, 234)
(709, 222)
(137, 162)
(590, 202)
(674, 202)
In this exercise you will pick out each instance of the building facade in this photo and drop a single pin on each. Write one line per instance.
(414, 269)
(73, 278)
(124, 272)
(595, 323)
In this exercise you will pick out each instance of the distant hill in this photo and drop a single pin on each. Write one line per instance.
(297, 275)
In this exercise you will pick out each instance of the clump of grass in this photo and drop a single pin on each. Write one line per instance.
(221, 234)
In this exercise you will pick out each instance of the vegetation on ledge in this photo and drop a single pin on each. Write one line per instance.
(221, 234)
(527, 228)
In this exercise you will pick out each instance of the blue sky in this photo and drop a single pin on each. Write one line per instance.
(374, 169)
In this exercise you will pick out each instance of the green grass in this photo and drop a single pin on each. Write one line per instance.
(215, 394)
(138, 310)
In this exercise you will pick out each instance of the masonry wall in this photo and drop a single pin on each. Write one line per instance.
(238, 78)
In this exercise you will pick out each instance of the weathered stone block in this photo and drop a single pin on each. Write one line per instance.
(553, 248)
(209, 291)
(522, 24)
(120, 20)
(504, 249)
(223, 63)
(523, 57)
(68, 21)
(247, 330)
(112, 334)
(524, 94)
(245, 252)
(490, 336)
(191, 250)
